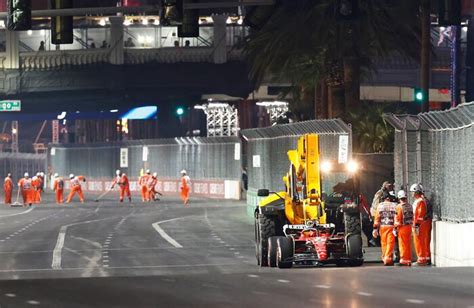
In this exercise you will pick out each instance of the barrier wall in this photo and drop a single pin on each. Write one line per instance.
(19, 163)
(214, 164)
(437, 150)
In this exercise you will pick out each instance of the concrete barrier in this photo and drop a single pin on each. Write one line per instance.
(452, 244)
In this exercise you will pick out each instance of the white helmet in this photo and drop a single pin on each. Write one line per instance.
(416, 187)
(71, 175)
(155, 174)
(56, 175)
(26, 175)
(402, 194)
(42, 173)
(38, 174)
(117, 172)
(183, 171)
(148, 171)
(123, 174)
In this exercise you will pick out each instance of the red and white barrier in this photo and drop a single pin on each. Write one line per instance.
(219, 189)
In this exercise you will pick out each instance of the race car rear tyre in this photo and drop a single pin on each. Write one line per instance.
(285, 252)
(354, 247)
(265, 227)
(352, 223)
(272, 250)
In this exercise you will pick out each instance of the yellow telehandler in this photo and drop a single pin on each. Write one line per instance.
(296, 226)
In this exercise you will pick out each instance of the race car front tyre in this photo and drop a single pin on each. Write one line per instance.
(354, 246)
(285, 252)
(264, 229)
(272, 250)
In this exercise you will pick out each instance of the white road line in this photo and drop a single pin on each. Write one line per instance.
(10, 294)
(57, 252)
(33, 302)
(164, 235)
(364, 294)
(283, 280)
(21, 213)
(252, 276)
(322, 286)
(415, 301)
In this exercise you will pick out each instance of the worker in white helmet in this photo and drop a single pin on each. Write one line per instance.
(27, 191)
(8, 188)
(142, 181)
(122, 181)
(422, 225)
(185, 187)
(58, 187)
(75, 186)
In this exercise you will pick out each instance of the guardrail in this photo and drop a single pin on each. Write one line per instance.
(56, 59)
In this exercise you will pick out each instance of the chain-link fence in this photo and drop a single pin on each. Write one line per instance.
(202, 158)
(266, 152)
(437, 150)
(19, 163)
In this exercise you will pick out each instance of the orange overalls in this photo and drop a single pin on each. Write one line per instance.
(385, 219)
(422, 231)
(37, 184)
(143, 185)
(184, 189)
(124, 185)
(403, 223)
(151, 191)
(75, 186)
(27, 190)
(8, 187)
(59, 189)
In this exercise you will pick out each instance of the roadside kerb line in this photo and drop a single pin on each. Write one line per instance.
(164, 235)
(57, 252)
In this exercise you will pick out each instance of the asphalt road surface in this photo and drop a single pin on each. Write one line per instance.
(161, 254)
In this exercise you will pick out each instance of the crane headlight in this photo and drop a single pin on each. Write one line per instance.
(326, 166)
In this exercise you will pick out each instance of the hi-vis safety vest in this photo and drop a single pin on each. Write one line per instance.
(75, 182)
(407, 212)
(27, 184)
(60, 184)
(387, 212)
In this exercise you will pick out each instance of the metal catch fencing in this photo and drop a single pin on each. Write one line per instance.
(266, 152)
(436, 149)
(202, 158)
(19, 163)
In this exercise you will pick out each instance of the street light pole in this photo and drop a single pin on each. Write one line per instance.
(425, 53)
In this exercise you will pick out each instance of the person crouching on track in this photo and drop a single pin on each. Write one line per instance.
(27, 191)
(58, 188)
(8, 188)
(151, 187)
(121, 180)
(384, 219)
(403, 224)
(75, 186)
(185, 187)
(143, 185)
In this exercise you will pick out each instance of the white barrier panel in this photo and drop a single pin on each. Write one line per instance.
(232, 190)
(452, 244)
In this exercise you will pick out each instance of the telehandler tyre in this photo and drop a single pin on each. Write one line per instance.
(265, 227)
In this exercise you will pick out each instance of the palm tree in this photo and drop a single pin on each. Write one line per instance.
(371, 133)
(304, 43)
